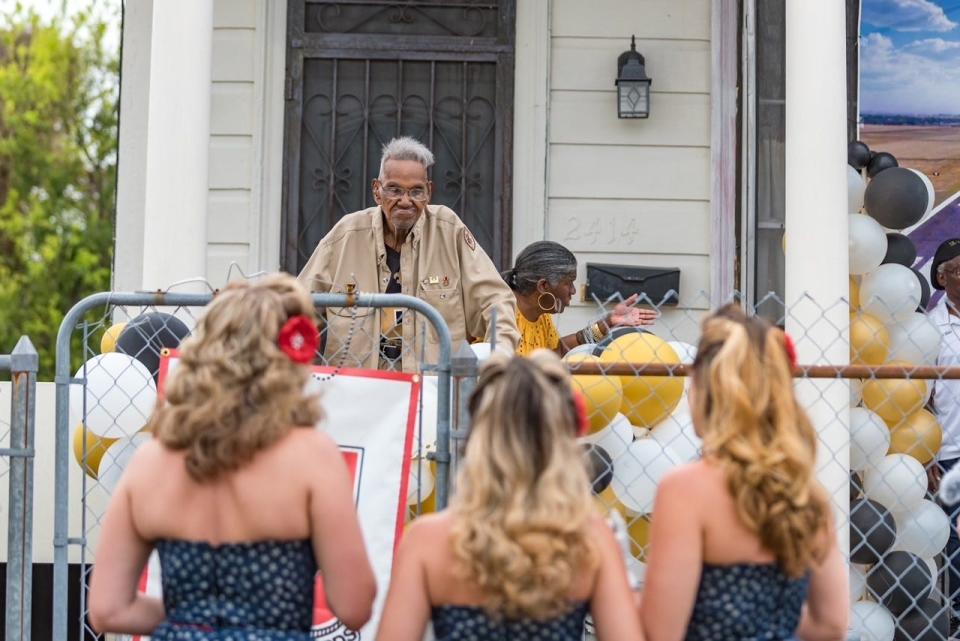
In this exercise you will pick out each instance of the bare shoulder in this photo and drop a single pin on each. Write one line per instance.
(308, 446)
(153, 459)
(698, 474)
(427, 532)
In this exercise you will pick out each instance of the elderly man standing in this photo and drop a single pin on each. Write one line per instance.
(945, 275)
(405, 245)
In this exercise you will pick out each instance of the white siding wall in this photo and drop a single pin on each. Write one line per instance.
(633, 192)
(231, 215)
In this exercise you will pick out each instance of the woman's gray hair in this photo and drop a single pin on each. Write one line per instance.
(405, 148)
(542, 259)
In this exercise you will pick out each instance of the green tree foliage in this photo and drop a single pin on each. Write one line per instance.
(58, 162)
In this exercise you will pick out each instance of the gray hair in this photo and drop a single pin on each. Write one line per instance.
(406, 148)
(542, 259)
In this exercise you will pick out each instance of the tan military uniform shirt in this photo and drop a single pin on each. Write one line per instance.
(440, 262)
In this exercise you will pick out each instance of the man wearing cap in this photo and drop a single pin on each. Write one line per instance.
(945, 276)
(405, 245)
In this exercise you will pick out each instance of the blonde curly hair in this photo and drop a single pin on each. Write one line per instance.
(755, 429)
(234, 392)
(523, 503)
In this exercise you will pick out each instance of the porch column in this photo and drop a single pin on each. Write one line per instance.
(817, 315)
(178, 138)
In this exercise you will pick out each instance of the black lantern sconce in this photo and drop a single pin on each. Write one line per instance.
(633, 85)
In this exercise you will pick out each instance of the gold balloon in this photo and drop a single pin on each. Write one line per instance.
(647, 400)
(109, 341)
(854, 294)
(607, 500)
(603, 394)
(918, 435)
(869, 340)
(639, 531)
(893, 399)
(96, 448)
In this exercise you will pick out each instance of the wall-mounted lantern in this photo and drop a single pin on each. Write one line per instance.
(633, 85)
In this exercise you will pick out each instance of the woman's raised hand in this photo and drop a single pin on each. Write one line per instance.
(626, 315)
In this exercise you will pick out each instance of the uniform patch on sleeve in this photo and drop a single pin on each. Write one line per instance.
(469, 240)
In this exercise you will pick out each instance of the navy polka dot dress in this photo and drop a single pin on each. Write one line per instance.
(746, 602)
(259, 591)
(464, 623)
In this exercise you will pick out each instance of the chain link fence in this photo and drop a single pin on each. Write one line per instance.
(884, 423)
(16, 472)
(884, 420)
(107, 391)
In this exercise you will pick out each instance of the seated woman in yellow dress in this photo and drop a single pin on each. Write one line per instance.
(542, 282)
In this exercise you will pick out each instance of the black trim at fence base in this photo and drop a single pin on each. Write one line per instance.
(41, 628)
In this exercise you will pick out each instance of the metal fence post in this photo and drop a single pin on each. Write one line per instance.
(463, 368)
(23, 362)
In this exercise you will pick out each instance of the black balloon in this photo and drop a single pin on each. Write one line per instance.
(872, 531)
(856, 486)
(146, 335)
(599, 467)
(900, 250)
(616, 333)
(880, 162)
(897, 198)
(900, 580)
(924, 290)
(858, 155)
(929, 622)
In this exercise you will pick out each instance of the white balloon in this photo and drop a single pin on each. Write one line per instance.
(858, 581)
(419, 466)
(891, 292)
(924, 530)
(856, 391)
(868, 244)
(855, 188)
(614, 438)
(915, 339)
(898, 482)
(931, 192)
(120, 395)
(869, 439)
(117, 457)
(676, 432)
(637, 473)
(871, 621)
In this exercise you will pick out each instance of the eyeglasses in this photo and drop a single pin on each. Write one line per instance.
(955, 272)
(396, 193)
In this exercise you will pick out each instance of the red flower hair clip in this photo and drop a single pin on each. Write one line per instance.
(791, 349)
(580, 410)
(298, 339)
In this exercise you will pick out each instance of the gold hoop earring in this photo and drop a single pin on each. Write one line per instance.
(553, 307)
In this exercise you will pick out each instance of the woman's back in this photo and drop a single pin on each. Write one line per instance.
(238, 492)
(742, 543)
(742, 593)
(263, 500)
(521, 554)
(457, 605)
(239, 553)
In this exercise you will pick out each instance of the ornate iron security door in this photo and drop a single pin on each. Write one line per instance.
(360, 72)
